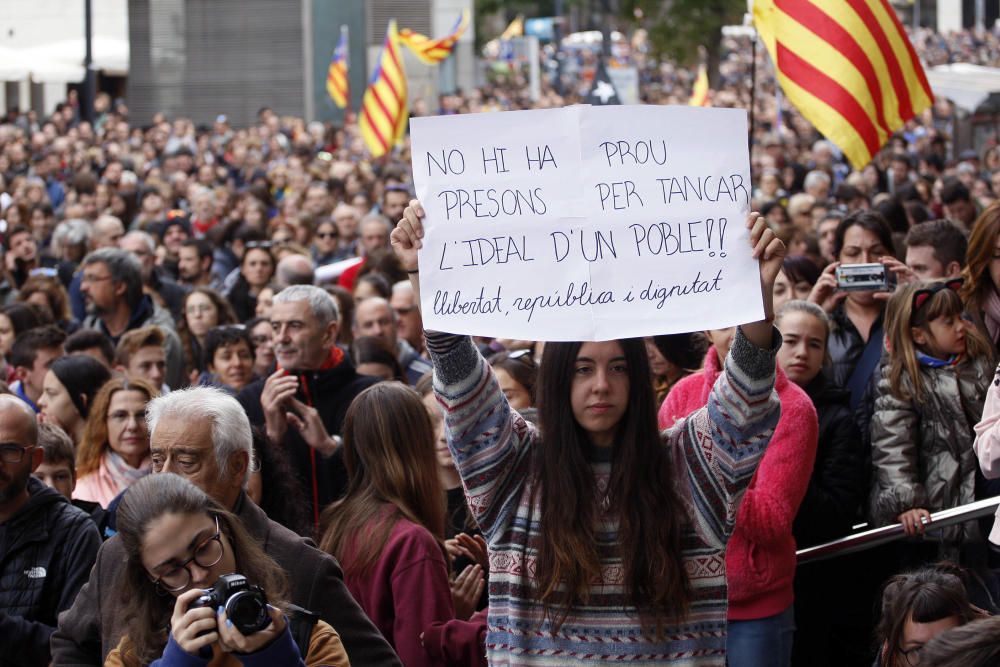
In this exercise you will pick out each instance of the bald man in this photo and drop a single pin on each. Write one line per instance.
(294, 269)
(47, 546)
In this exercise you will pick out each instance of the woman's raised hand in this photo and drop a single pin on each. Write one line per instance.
(193, 629)
(406, 238)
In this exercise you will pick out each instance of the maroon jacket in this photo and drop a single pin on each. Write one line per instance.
(407, 594)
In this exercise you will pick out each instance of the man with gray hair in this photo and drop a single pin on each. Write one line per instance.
(302, 404)
(111, 284)
(203, 434)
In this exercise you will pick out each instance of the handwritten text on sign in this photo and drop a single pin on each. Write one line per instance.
(585, 223)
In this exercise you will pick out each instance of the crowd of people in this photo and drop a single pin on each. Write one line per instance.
(214, 363)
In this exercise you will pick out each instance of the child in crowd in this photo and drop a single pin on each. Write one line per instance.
(929, 397)
(58, 471)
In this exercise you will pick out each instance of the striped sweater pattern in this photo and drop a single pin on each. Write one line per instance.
(716, 451)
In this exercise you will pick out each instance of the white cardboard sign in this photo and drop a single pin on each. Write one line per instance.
(585, 223)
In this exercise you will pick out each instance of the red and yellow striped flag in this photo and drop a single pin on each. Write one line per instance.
(848, 66)
(383, 109)
(699, 94)
(337, 84)
(433, 51)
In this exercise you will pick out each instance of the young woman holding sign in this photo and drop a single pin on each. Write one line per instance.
(607, 537)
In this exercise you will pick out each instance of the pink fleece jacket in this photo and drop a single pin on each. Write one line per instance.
(760, 556)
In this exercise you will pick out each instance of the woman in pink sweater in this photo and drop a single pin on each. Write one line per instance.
(760, 556)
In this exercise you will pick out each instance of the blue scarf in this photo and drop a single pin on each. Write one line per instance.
(934, 362)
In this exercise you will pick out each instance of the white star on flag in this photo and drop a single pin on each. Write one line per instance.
(604, 90)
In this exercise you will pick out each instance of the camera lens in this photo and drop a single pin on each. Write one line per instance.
(248, 612)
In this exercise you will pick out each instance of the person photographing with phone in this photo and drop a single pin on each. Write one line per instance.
(302, 404)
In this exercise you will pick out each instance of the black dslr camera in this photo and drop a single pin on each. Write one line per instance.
(245, 605)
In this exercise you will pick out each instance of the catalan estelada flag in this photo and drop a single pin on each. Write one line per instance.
(699, 95)
(433, 51)
(337, 84)
(383, 108)
(848, 66)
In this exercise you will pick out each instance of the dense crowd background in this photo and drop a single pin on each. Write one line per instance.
(143, 258)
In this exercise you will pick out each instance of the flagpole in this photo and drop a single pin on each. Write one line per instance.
(345, 37)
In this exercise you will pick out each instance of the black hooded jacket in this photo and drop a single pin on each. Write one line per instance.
(46, 552)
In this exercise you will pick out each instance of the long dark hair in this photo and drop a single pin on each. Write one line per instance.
(649, 509)
(148, 610)
(392, 475)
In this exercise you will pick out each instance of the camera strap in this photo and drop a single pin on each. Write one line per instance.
(301, 623)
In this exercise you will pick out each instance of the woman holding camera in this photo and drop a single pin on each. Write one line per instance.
(179, 542)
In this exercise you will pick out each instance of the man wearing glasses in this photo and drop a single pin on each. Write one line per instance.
(47, 546)
(112, 286)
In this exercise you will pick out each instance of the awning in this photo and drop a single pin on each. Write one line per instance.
(967, 85)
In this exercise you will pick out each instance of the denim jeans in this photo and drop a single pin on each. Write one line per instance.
(762, 642)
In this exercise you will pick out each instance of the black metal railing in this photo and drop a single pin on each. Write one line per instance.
(877, 536)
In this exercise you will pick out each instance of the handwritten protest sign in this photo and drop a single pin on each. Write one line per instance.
(585, 223)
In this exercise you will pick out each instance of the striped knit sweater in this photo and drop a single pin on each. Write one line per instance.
(716, 451)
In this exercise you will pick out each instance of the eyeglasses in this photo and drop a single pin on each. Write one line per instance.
(206, 554)
(93, 279)
(13, 453)
(326, 235)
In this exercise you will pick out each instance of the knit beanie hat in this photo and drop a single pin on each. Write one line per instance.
(83, 376)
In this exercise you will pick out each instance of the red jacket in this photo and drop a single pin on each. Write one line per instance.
(760, 556)
(406, 592)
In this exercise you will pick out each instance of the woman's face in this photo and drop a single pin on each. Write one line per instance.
(257, 267)
(201, 314)
(126, 422)
(55, 405)
(803, 346)
(915, 635)
(265, 302)
(658, 364)
(263, 346)
(436, 412)
(6, 335)
(861, 246)
(599, 390)
(516, 393)
(233, 364)
(326, 238)
(785, 290)
(172, 539)
(993, 267)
